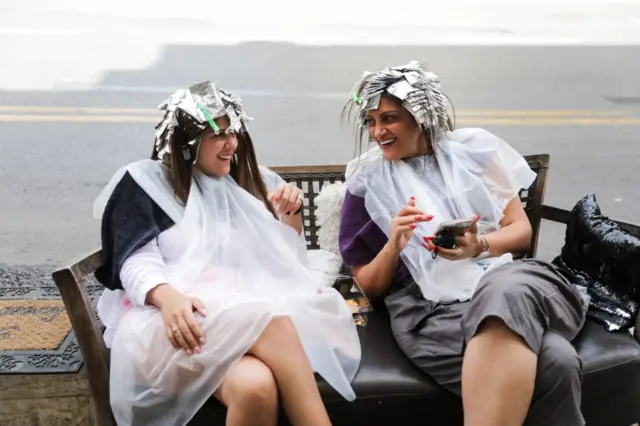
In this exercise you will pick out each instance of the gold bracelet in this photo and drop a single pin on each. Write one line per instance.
(485, 248)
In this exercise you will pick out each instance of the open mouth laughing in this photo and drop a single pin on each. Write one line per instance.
(386, 143)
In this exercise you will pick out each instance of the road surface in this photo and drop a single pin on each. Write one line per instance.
(79, 85)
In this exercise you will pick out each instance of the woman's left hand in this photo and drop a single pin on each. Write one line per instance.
(286, 199)
(467, 245)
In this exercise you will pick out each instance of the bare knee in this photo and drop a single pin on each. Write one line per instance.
(251, 385)
(495, 333)
(280, 333)
(283, 327)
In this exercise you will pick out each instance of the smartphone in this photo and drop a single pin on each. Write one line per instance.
(446, 232)
(455, 227)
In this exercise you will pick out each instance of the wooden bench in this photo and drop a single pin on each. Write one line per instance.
(389, 388)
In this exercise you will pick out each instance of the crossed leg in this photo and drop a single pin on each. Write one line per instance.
(276, 366)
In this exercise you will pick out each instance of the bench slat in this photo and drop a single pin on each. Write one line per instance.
(558, 215)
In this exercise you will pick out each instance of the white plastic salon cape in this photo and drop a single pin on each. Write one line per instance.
(470, 172)
(247, 268)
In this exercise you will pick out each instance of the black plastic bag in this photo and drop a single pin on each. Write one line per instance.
(604, 258)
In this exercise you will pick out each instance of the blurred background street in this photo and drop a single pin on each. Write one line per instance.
(79, 84)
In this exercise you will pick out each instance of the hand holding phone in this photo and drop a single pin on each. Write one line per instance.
(454, 240)
(446, 233)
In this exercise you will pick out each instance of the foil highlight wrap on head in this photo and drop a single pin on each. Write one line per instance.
(188, 112)
(418, 90)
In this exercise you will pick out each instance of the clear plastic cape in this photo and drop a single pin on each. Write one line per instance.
(246, 267)
(478, 173)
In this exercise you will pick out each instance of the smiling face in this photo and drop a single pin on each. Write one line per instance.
(395, 130)
(216, 151)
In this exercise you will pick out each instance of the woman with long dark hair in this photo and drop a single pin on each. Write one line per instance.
(208, 289)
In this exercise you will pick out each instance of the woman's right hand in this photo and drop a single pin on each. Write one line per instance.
(178, 312)
(403, 225)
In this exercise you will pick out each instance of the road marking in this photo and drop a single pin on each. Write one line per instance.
(62, 118)
(469, 117)
(564, 121)
(54, 109)
(469, 121)
(534, 112)
(76, 109)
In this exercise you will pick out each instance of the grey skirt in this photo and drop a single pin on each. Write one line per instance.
(531, 296)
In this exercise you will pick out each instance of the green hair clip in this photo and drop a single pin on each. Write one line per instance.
(356, 98)
(208, 117)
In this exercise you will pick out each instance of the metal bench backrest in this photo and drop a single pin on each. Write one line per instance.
(312, 178)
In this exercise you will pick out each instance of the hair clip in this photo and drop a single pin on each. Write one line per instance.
(186, 153)
(208, 117)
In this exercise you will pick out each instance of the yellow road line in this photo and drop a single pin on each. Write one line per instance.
(28, 109)
(564, 121)
(76, 110)
(496, 120)
(480, 121)
(559, 112)
(60, 118)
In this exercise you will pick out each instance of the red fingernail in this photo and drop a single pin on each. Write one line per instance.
(428, 238)
(412, 226)
(477, 217)
(428, 217)
(412, 198)
(426, 246)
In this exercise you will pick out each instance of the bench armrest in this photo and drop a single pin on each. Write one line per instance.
(70, 283)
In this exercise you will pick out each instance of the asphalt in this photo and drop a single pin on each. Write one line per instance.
(579, 104)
